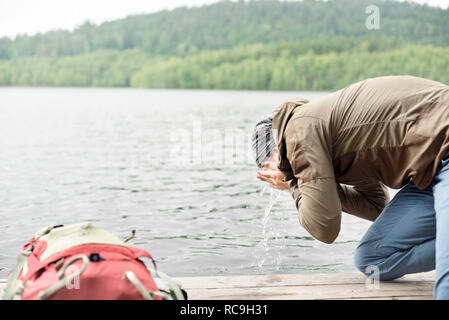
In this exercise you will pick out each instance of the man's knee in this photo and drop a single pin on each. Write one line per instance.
(373, 265)
(362, 258)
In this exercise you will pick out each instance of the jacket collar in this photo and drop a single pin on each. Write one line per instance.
(281, 116)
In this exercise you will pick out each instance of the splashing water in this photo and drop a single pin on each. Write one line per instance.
(268, 254)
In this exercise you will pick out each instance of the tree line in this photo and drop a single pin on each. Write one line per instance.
(256, 67)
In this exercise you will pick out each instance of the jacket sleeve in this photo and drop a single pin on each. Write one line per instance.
(313, 186)
(365, 201)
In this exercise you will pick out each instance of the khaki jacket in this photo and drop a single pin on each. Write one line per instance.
(341, 151)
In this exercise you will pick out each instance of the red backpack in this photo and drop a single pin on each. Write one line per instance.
(84, 262)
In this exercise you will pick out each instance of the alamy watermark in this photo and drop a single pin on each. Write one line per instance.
(372, 22)
(372, 281)
(195, 145)
(72, 282)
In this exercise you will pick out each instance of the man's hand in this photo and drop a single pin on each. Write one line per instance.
(271, 174)
(275, 178)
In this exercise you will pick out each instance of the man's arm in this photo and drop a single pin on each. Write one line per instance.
(313, 187)
(319, 208)
(365, 201)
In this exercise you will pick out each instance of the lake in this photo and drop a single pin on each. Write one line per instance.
(172, 164)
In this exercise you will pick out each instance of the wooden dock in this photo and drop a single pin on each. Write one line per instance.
(334, 286)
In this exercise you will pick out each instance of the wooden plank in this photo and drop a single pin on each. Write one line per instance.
(251, 281)
(428, 297)
(306, 286)
(339, 291)
(333, 286)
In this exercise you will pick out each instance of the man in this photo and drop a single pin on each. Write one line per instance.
(341, 151)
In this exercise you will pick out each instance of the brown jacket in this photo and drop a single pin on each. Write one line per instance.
(375, 133)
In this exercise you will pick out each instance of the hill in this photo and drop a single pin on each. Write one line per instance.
(307, 45)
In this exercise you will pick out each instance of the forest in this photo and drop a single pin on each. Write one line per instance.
(254, 45)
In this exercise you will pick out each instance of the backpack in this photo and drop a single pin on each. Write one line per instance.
(83, 262)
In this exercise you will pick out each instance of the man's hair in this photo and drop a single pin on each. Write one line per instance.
(262, 141)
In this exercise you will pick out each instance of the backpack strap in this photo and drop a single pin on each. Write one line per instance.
(147, 295)
(167, 284)
(63, 279)
(168, 288)
(140, 253)
(14, 285)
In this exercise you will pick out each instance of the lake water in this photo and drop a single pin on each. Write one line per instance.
(172, 164)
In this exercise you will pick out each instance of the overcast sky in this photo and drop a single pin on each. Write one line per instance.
(33, 16)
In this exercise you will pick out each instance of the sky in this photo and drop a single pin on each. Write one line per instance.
(34, 16)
